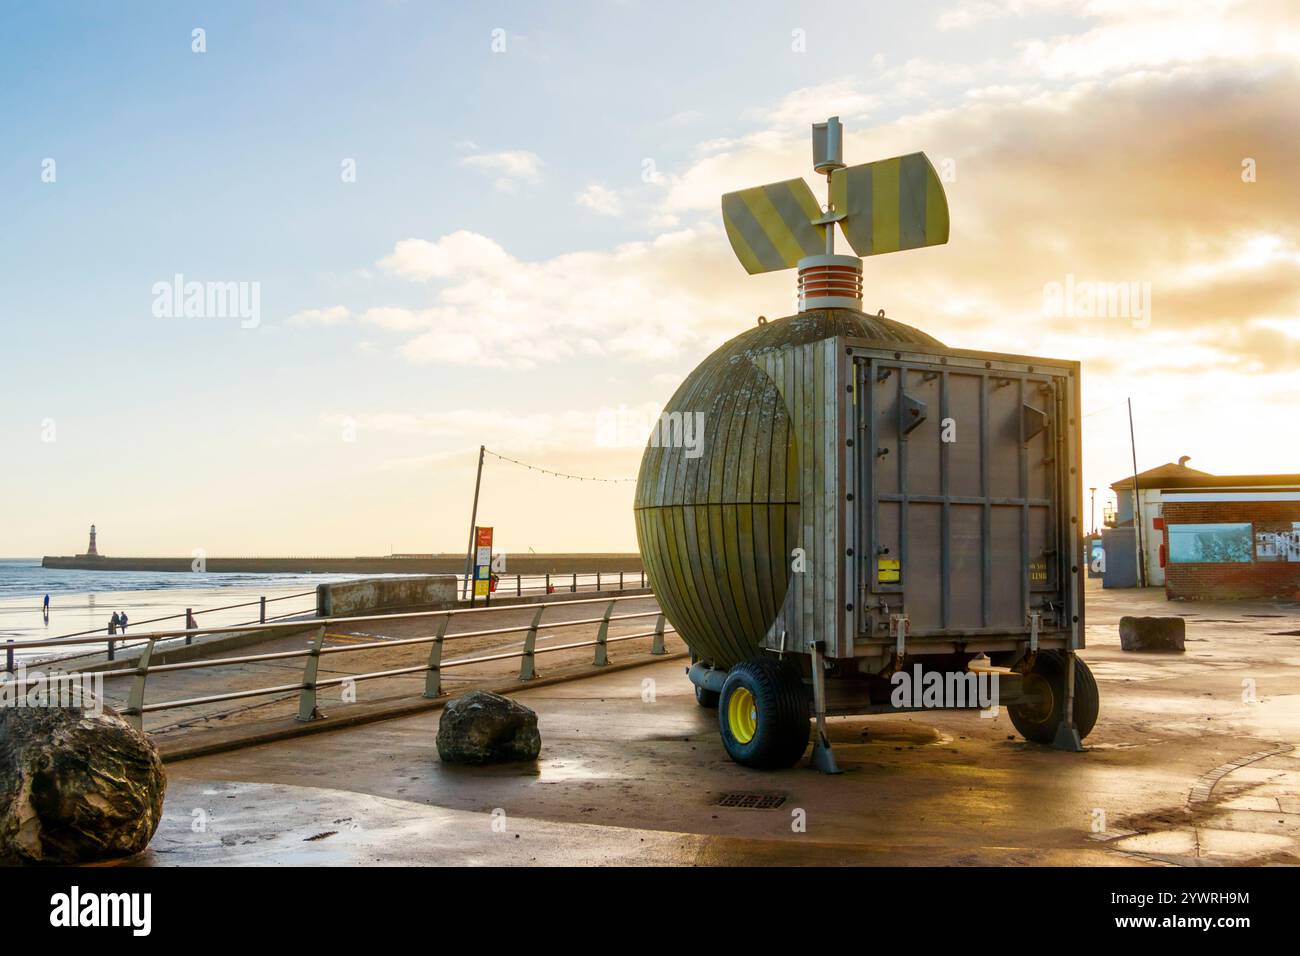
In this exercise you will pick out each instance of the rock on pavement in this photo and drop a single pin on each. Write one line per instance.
(1152, 633)
(77, 785)
(482, 727)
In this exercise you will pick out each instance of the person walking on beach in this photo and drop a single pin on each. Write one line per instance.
(113, 622)
(46, 609)
(122, 622)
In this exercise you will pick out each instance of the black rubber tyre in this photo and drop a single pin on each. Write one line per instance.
(763, 714)
(1039, 723)
(706, 698)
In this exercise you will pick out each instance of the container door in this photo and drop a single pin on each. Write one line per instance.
(958, 466)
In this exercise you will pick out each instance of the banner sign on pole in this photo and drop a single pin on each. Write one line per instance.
(482, 562)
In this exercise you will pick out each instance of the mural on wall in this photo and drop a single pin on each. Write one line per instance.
(1278, 545)
(1210, 543)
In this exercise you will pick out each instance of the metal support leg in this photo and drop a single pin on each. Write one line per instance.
(433, 680)
(657, 647)
(527, 667)
(823, 758)
(602, 635)
(135, 702)
(899, 626)
(307, 709)
(1067, 735)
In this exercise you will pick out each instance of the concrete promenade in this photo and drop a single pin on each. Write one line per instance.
(1181, 770)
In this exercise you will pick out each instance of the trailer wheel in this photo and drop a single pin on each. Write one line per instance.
(1038, 722)
(706, 698)
(763, 714)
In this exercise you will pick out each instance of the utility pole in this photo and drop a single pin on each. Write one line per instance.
(1093, 524)
(1137, 502)
(473, 521)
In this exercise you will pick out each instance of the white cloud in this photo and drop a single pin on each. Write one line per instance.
(309, 318)
(641, 301)
(601, 200)
(396, 319)
(458, 253)
(843, 98)
(510, 167)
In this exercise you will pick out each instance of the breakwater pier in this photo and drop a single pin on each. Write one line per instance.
(390, 564)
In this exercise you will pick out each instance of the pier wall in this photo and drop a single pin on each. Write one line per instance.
(381, 594)
(397, 564)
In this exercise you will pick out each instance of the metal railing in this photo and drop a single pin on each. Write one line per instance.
(121, 641)
(553, 583)
(309, 685)
(547, 583)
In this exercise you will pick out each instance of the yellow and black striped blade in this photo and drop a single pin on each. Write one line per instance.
(771, 227)
(891, 204)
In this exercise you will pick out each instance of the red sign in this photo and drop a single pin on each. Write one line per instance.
(483, 537)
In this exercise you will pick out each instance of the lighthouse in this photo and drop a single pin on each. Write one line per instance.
(92, 551)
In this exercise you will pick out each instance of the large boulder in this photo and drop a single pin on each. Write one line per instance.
(482, 727)
(1152, 633)
(77, 785)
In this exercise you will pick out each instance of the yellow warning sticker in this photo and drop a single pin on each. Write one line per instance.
(889, 571)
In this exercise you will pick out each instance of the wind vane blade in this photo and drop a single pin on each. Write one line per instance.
(771, 227)
(890, 205)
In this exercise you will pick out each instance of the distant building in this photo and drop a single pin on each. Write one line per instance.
(1209, 537)
(1121, 544)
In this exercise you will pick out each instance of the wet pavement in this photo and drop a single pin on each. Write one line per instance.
(1191, 764)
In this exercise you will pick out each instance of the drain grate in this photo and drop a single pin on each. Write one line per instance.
(751, 801)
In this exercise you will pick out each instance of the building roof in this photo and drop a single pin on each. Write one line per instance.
(1223, 482)
(1200, 480)
(1161, 476)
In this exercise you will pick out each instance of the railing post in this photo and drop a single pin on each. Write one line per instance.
(9, 657)
(658, 646)
(602, 649)
(620, 580)
(307, 709)
(527, 667)
(189, 616)
(597, 580)
(519, 585)
(110, 649)
(643, 577)
(261, 617)
(548, 582)
(433, 680)
(575, 582)
(135, 702)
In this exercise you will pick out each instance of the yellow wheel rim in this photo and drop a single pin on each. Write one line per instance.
(742, 715)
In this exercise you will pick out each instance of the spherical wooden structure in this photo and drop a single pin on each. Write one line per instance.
(717, 521)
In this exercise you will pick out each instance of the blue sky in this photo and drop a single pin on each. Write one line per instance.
(500, 270)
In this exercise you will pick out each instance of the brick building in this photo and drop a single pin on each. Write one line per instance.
(1121, 561)
(1230, 536)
